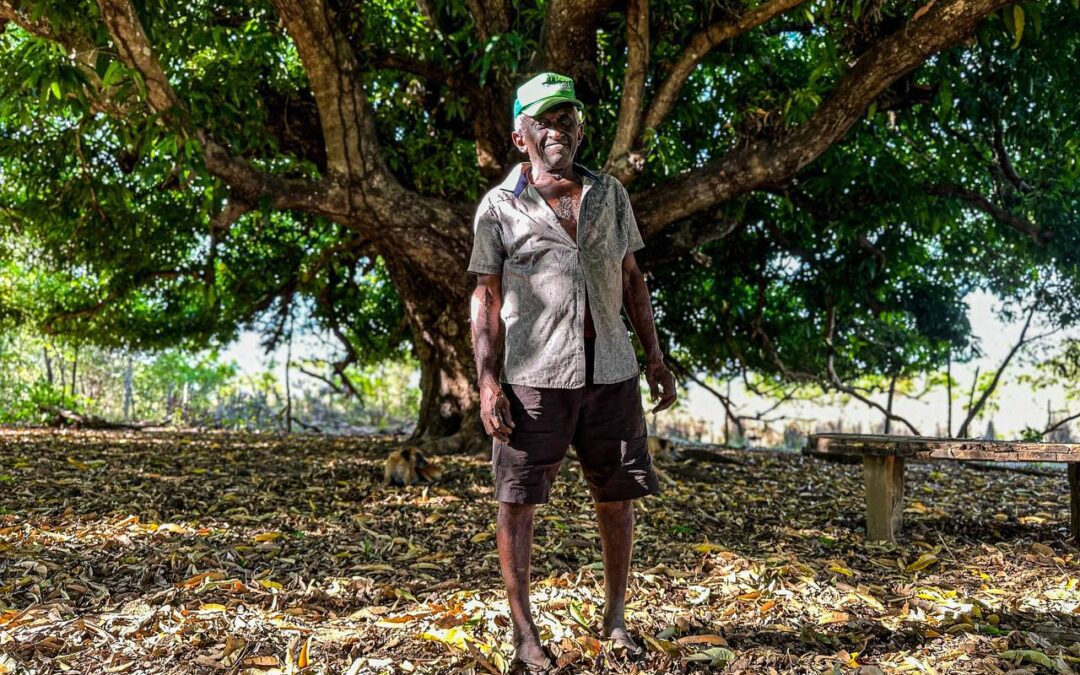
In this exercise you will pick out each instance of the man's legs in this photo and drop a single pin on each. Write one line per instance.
(524, 470)
(612, 444)
(616, 523)
(514, 536)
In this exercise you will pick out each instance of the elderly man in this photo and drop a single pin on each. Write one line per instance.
(554, 258)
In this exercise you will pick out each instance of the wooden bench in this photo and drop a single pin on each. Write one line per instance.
(883, 459)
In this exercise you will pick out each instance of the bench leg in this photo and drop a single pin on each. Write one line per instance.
(1074, 501)
(884, 496)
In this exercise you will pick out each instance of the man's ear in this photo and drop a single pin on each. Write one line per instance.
(519, 141)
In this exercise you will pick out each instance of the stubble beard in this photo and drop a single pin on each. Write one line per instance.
(561, 165)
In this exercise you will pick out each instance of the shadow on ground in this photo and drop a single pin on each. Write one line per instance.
(215, 552)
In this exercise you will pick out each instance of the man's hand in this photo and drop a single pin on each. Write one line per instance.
(495, 411)
(484, 315)
(638, 307)
(660, 378)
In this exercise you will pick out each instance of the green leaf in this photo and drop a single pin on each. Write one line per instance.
(113, 73)
(924, 561)
(1018, 24)
(1029, 655)
(715, 656)
(576, 615)
(946, 95)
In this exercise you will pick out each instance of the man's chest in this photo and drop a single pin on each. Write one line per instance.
(565, 203)
(535, 235)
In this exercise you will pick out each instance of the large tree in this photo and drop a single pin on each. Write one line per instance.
(811, 177)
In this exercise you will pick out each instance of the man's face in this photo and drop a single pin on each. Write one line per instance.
(552, 138)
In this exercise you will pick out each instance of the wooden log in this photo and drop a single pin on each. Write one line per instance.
(70, 418)
(1074, 502)
(884, 477)
(920, 447)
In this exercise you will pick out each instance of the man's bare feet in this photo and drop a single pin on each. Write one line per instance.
(623, 643)
(530, 653)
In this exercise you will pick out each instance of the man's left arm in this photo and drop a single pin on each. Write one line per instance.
(638, 306)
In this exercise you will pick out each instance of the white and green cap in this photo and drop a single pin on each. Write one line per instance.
(544, 91)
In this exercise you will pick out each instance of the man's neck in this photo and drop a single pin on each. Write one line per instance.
(537, 174)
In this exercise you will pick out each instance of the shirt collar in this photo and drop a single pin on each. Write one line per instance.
(516, 181)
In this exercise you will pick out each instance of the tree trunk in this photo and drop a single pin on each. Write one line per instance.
(74, 369)
(888, 406)
(48, 366)
(948, 385)
(449, 419)
(288, 385)
(128, 390)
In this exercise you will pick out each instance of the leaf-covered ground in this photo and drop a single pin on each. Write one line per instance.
(239, 553)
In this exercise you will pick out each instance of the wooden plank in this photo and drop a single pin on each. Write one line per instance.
(922, 447)
(1074, 501)
(884, 477)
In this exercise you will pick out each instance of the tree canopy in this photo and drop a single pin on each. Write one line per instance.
(819, 182)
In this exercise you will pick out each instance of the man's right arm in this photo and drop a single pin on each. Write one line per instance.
(484, 314)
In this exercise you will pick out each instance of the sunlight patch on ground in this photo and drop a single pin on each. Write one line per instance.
(229, 552)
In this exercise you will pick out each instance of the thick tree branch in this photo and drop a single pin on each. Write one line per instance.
(700, 45)
(748, 167)
(491, 17)
(491, 102)
(352, 149)
(248, 183)
(9, 12)
(80, 48)
(251, 185)
(568, 43)
(361, 192)
(620, 162)
(134, 49)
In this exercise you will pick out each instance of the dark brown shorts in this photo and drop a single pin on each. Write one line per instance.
(605, 424)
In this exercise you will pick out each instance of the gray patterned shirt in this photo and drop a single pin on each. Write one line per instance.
(547, 276)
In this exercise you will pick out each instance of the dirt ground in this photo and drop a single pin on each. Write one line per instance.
(242, 553)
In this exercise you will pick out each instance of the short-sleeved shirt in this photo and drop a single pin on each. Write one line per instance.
(547, 278)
